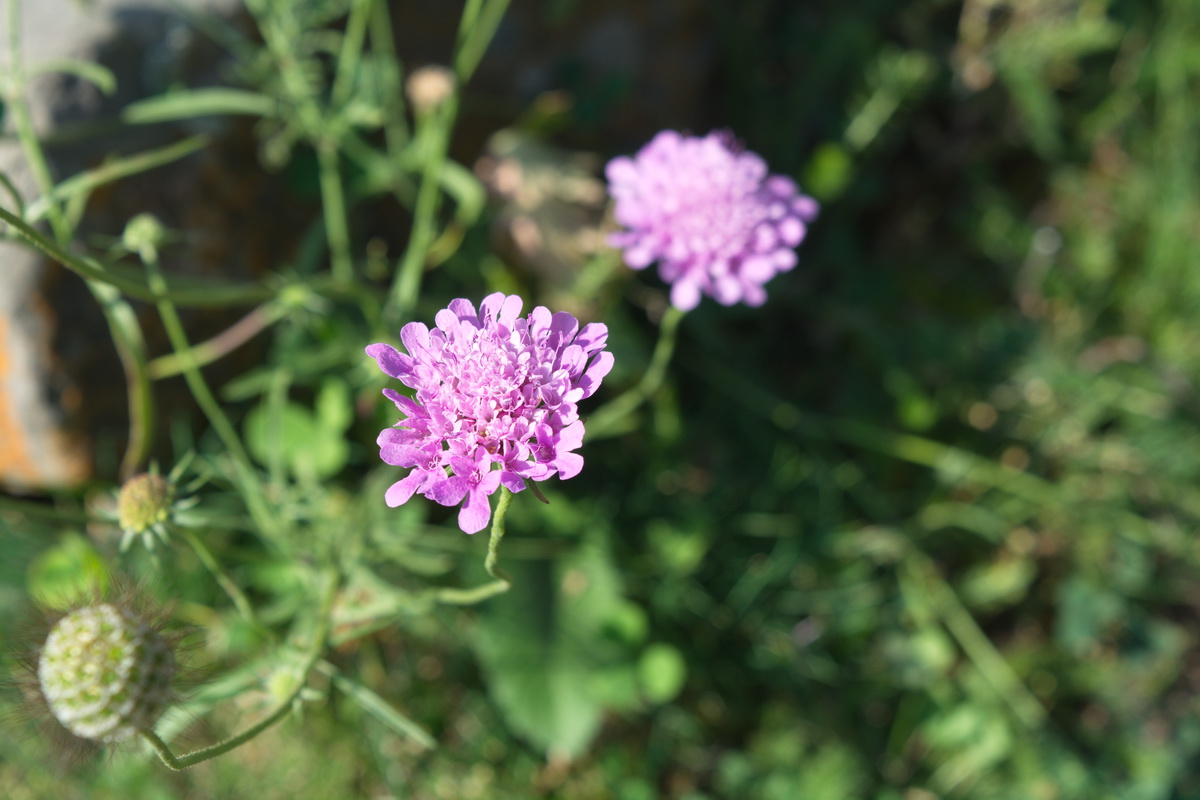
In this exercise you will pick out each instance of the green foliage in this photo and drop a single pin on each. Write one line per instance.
(921, 527)
(70, 572)
(556, 650)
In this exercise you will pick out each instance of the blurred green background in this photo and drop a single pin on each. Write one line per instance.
(921, 527)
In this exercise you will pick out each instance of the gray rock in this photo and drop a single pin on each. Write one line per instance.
(62, 390)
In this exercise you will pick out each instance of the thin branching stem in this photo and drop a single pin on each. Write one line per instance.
(312, 655)
(250, 483)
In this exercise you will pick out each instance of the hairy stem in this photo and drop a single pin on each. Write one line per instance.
(311, 656)
(502, 582)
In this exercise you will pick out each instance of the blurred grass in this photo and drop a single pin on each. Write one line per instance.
(922, 527)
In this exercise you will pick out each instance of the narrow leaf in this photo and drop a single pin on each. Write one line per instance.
(198, 103)
(99, 76)
(87, 182)
(379, 708)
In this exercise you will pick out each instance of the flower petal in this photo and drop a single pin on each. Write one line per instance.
(475, 513)
(448, 492)
(390, 360)
(400, 492)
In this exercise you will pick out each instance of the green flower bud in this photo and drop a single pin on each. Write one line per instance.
(105, 673)
(143, 235)
(144, 503)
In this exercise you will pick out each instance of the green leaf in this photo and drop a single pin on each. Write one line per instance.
(335, 406)
(467, 191)
(548, 654)
(198, 103)
(829, 172)
(66, 575)
(999, 583)
(382, 710)
(99, 76)
(310, 450)
(83, 184)
(662, 673)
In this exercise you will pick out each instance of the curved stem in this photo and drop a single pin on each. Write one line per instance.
(250, 484)
(502, 582)
(608, 417)
(222, 344)
(311, 657)
(216, 295)
(491, 563)
(231, 589)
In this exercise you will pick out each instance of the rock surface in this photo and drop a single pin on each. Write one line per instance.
(62, 391)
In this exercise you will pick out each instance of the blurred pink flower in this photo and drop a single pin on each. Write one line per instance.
(711, 216)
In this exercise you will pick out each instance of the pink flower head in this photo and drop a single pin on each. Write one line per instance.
(711, 216)
(495, 401)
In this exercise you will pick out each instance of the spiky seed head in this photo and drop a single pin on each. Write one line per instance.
(144, 502)
(105, 673)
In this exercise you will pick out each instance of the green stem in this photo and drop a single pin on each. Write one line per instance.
(34, 510)
(606, 420)
(476, 30)
(222, 344)
(131, 349)
(350, 57)
(391, 80)
(122, 322)
(491, 563)
(213, 566)
(26, 135)
(407, 283)
(502, 582)
(334, 204)
(89, 269)
(311, 657)
(250, 483)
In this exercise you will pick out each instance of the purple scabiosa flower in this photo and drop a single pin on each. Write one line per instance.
(495, 401)
(710, 214)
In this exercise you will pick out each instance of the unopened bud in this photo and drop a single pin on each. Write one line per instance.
(429, 87)
(144, 502)
(144, 234)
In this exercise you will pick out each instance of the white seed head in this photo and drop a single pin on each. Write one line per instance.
(105, 674)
